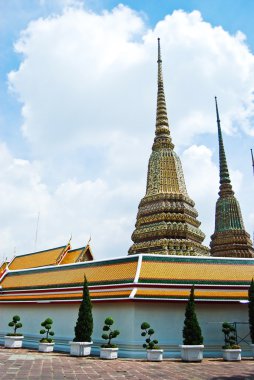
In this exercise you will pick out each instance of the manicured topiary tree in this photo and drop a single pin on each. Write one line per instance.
(110, 333)
(84, 326)
(15, 324)
(229, 332)
(47, 324)
(147, 332)
(251, 310)
(192, 334)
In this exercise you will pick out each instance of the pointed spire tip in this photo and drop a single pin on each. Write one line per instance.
(225, 183)
(217, 110)
(159, 51)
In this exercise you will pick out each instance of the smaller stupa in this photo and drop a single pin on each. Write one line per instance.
(230, 238)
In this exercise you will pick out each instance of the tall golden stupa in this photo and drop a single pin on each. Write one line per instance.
(229, 238)
(166, 220)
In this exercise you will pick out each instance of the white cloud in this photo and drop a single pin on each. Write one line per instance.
(87, 86)
(21, 192)
(77, 208)
(202, 180)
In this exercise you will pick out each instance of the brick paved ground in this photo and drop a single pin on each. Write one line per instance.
(30, 364)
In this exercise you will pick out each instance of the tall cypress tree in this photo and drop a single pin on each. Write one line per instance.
(84, 325)
(191, 332)
(251, 310)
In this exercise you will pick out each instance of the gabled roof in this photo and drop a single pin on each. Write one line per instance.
(54, 256)
(78, 255)
(37, 259)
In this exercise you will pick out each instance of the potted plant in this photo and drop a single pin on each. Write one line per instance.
(251, 314)
(46, 344)
(109, 350)
(14, 339)
(82, 343)
(231, 350)
(192, 347)
(153, 351)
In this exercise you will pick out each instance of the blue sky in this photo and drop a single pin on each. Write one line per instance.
(77, 109)
(232, 15)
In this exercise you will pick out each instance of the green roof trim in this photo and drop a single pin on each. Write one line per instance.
(196, 260)
(68, 285)
(191, 281)
(73, 298)
(196, 298)
(35, 253)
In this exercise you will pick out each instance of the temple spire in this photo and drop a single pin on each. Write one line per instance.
(225, 183)
(162, 126)
(229, 238)
(167, 220)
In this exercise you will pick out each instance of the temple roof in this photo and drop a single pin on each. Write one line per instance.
(54, 256)
(103, 272)
(37, 259)
(77, 255)
(137, 277)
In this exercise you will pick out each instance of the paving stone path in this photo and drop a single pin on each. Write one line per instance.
(30, 364)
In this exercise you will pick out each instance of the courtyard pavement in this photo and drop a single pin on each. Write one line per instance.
(30, 364)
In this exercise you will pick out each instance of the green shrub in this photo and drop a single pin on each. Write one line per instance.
(16, 325)
(110, 334)
(84, 326)
(192, 334)
(251, 310)
(47, 324)
(229, 332)
(147, 332)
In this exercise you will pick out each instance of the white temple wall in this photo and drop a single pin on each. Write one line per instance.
(166, 318)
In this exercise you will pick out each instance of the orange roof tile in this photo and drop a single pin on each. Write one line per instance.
(64, 296)
(199, 293)
(73, 255)
(3, 267)
(36, 259)
(106, 272)
(194, 271)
